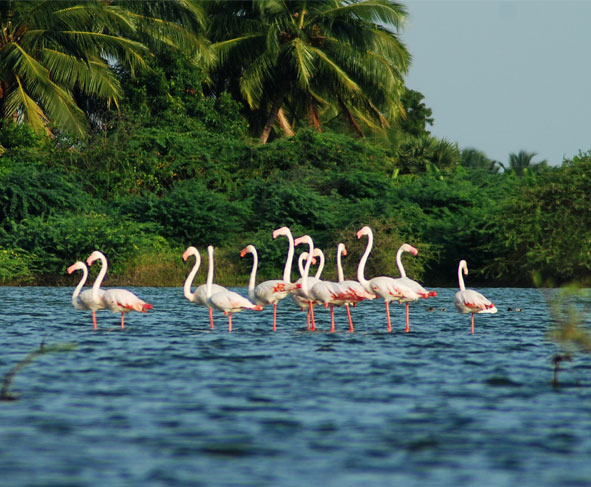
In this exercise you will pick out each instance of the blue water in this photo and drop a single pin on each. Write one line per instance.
(167, 401)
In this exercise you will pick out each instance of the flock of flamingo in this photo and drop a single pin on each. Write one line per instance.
(306, 292)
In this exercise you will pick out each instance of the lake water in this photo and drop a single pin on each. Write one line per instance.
(169, 402)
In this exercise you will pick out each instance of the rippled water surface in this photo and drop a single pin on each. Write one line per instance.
(167, 401)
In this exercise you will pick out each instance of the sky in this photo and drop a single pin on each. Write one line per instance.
(504, 75)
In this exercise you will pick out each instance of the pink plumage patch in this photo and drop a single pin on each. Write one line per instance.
(279, 288)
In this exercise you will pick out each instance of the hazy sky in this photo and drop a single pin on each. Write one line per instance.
(504, 75)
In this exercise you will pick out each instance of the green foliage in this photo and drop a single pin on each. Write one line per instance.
(32, 190)
(190, 213)
(453, 213)
(16, 266)
(417, 114)
(475, 159)
(59, 240)
(422, 154)
(546, 226)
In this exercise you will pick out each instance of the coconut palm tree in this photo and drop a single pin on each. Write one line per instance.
(49, 49)
(475, 159)
(522, 163)
(312, 57)
(56, 54)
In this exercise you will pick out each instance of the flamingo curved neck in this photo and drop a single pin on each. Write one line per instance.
(253, 273)
(303, 256)
(191, 277)
(288, 262)
(340, 274)
(99, 279)
(361, 267)
(399, 262)
(320, 254)
(79, 286)
(209, 271)
(307, 267)
(461, 278)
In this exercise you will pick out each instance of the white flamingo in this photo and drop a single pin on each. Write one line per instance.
(227, 301)
(470, 301)
(300, 299)
(352, 290)
(118, 300)
(305, 289)
(267, 292)
(199, 296)
(90, 299)
(340, 293)
(414, 285)
(388, 288)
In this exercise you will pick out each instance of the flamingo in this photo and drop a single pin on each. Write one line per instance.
(354, 290)
(470, 301)
(86, 299)
(414, 285)
(388, 288)
(327, 293)
(227, 301)
(338, 293)
(305, 289)
(118, 300)
(297, 296)
(199, 296)
(267, 292)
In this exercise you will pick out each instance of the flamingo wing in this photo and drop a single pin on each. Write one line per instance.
(356, 291)
(417, 288)
(231, 302)
(269, 292)
(86, 300)
(325, 292)
(200, 296)
(392, 289)
(122, 300)
(470, 301)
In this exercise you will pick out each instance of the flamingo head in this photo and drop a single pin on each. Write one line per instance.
(249, 249)
(363, 231)
(303, 239)
(281, 231)
(76, 266)
(409, 248)
(463, 267)
(94, 256)
(342, 249)
(190, 251)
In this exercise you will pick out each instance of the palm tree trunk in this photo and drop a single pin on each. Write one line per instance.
(313, 118)
(350, 119)
(275, 107)
(284, 123)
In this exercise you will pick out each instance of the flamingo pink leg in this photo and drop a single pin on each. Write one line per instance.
(472, 324)
(308, 318)
(274, 316)
(122, 320)
(313, 328)
(94, 325)
(350, 320)
(332, 327)
(229, 322)
(388, 316)
(407, 329)
(211, 317)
